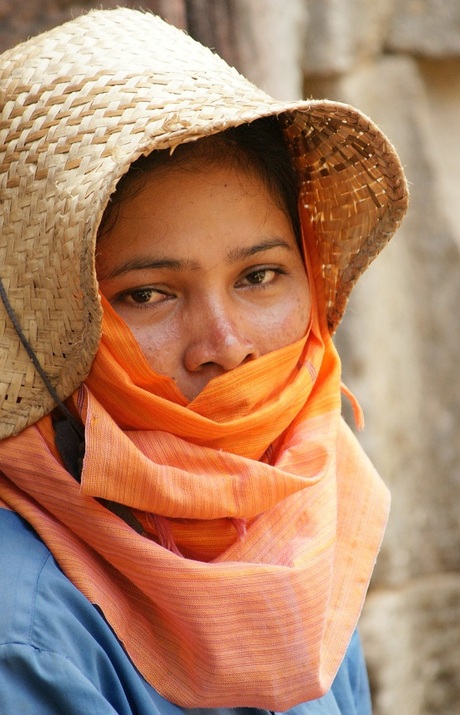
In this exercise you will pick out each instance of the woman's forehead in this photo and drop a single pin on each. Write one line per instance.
(256, 150)
(176, 210)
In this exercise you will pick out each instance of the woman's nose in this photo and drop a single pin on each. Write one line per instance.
(218, 340)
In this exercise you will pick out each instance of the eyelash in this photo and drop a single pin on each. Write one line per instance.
(147, 291)
(264, 270)
(139, 291)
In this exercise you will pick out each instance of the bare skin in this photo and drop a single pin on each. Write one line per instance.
(204, 268)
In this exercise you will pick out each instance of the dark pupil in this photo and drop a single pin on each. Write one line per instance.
(142, 296)
(257, 276)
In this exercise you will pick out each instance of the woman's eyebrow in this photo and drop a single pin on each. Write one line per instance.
(243, 252)
(143, 263)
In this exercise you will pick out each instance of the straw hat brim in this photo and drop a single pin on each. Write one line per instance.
(78, 105)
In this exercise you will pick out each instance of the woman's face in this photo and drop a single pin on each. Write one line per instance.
(204, 268)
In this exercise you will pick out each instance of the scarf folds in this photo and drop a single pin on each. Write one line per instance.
(260, 616)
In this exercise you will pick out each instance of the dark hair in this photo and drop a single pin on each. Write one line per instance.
(258, 147)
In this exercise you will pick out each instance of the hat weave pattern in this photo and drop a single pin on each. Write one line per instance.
(353, 189)
(78, 105)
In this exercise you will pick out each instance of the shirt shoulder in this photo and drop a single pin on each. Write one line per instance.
(23, 556)
(39, 605)
(57, 651)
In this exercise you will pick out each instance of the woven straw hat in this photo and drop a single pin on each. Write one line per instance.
(79, 104)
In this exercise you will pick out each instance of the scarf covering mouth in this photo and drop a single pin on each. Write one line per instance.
(275, 513)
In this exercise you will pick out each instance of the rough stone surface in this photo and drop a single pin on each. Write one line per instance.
(441, 79)
(400, 339)
(426, 27)
(420, 647)
(400, 343)
(343, 34)
(271, 37)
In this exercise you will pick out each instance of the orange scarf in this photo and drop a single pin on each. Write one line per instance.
(274, 512)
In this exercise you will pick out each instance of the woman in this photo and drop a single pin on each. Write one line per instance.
(186, 521)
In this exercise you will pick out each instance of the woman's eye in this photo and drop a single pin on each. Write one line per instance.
(262, 276)
(143, 296)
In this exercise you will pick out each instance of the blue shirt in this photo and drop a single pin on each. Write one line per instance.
(59, 655)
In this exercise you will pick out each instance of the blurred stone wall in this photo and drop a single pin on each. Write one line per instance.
(399, 62)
